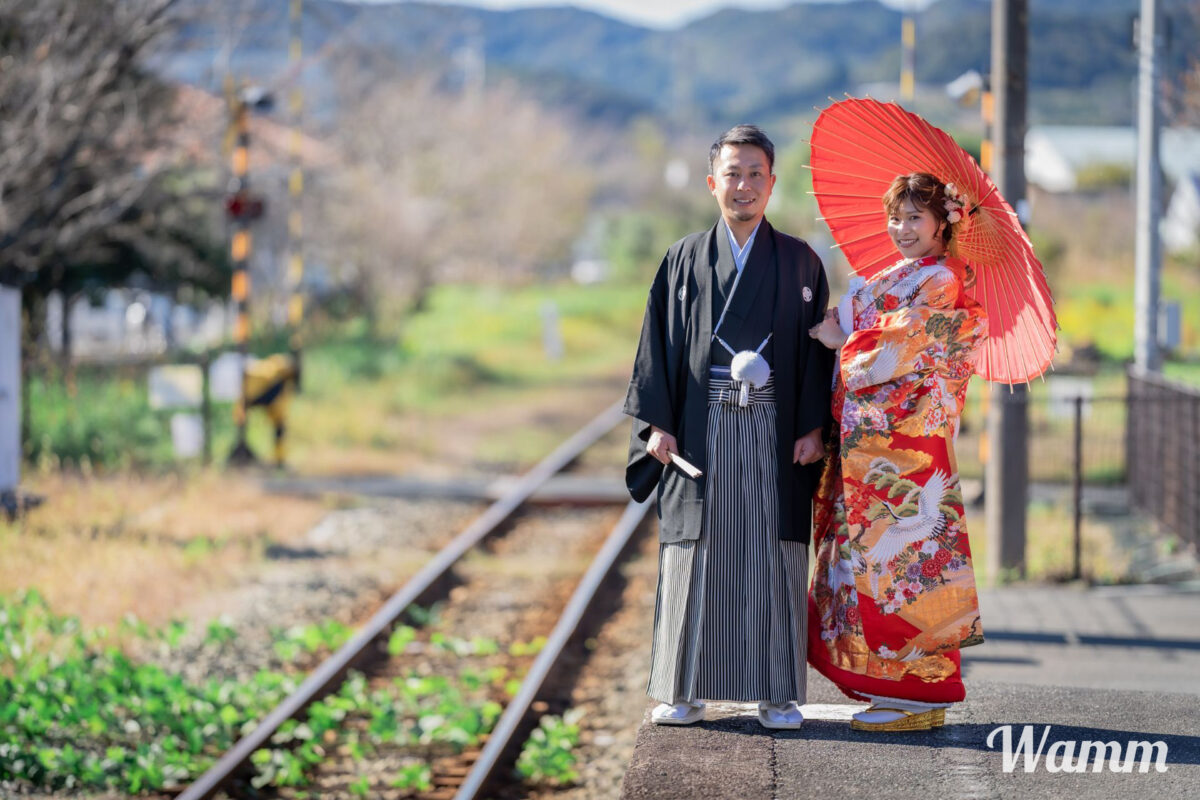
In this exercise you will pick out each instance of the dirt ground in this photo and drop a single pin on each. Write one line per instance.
(106, 545)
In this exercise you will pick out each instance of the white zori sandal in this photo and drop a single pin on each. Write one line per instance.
(785, 716)
(677, 714)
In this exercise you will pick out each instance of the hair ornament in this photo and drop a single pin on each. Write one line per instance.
(954, 204)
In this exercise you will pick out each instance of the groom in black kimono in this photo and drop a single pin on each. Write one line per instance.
(730, 619)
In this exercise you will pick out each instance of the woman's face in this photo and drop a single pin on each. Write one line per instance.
(916, 232)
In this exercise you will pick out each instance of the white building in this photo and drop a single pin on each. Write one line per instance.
(130, 322)
(1181, 226)
(1055, 154)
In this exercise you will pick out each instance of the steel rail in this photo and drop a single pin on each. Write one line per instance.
(332, 670)
(498, 742)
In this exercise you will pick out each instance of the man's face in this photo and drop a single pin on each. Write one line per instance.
(741, 181)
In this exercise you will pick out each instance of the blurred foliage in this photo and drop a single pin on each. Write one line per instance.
(969, 140)
(1086, 242)
(1100, 316)
(1186, 371)
(78, 713)
(636, 243)
(1050, 246)
(793, 208)
(1096, 177)
(497, 190)
(93, 421)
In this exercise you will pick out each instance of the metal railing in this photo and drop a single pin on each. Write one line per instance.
(1107, 452)
(1163, 453)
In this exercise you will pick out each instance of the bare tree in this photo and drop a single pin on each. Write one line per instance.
(75, 112)
(437, 184)
(78, 113)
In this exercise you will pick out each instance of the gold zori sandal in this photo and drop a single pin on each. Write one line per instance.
(911, 721)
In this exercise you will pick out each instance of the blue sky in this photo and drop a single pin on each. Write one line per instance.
(653, 13)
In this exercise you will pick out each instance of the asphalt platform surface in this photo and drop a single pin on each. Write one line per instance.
(1060, 666)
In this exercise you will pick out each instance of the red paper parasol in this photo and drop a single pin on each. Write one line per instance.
(859, 146)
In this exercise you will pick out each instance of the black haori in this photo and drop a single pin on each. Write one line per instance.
(730, 617)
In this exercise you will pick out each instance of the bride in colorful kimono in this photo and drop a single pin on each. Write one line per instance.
(893, 592)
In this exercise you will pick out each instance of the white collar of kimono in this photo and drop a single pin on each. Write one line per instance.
(758, 364)
(740, 254)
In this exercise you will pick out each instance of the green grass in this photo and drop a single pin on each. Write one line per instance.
(1099, 315)
(1187, 372)
(1102, 314)
(94, 421)
(500, 332)
(78, 713)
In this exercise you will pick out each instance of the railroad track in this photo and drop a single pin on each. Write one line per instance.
(473, 771)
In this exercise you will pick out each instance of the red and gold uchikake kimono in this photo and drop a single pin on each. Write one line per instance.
(893, 591)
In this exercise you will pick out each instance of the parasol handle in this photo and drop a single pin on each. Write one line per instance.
(975, 208)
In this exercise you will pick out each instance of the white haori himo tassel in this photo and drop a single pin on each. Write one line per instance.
(749, 369)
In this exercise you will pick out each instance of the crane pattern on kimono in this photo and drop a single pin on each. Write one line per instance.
(927, 523)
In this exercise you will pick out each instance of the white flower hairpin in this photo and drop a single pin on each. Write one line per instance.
(955, 204)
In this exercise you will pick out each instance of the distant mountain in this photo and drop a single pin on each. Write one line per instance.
(732, 65)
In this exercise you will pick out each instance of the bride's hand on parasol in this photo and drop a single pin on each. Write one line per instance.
(661, 444)
(829, 332)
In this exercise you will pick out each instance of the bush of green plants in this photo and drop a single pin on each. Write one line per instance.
(94, 421)
(80, 714)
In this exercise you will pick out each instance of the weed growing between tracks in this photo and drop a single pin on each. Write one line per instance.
(81, 715)
(548, 755)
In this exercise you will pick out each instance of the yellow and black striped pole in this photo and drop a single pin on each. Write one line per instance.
(295, 227)
(908, 42)
(987, 110)
(239, 255)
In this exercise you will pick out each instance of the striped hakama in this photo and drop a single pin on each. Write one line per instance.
(730, 619)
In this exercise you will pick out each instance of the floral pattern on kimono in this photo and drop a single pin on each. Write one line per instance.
(893, 586)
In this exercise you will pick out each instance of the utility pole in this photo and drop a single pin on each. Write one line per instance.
(10, 394)
(1147, 356)
(1007, 474)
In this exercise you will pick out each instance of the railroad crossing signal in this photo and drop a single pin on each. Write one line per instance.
(242, 208)
(242, 205)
